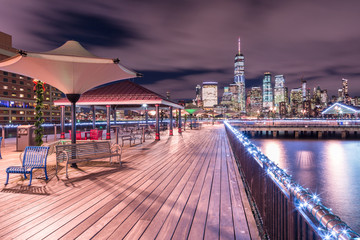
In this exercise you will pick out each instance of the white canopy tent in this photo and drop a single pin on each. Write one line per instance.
(70, 68)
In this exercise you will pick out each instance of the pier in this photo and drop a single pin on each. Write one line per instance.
(184, 186)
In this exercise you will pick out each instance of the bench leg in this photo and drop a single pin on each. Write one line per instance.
(30, 178)
(46, 176)
(7, 179)
(25, 176)
(67, 170)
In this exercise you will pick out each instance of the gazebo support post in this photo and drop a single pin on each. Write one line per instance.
(171, 122)
(114, 115)
(73, 98)
(62, 122)
(179, 128)
(157, 126)
(108, 122)
(146, 116)
(93, 116)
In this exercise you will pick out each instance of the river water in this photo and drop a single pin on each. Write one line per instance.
(330, 168)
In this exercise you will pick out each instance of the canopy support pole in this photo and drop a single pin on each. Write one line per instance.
(114, 115)
(171, 122)
(146, 116)
(62, 122)
(108, 122)
(179, 129)
(93, 116)
(157, 127)
(73, 98)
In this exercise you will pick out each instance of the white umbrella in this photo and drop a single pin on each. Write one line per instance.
(70, 68)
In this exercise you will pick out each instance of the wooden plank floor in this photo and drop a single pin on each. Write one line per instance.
(182, 187)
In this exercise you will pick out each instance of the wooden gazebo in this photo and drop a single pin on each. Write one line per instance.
(122, 94)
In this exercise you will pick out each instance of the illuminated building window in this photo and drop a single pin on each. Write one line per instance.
(21, 77)
(14, 88)
(21, 89)
(21, 95)
(13, 118)
(47, 98)
(5, 87)
(22, 112)
(13, 94)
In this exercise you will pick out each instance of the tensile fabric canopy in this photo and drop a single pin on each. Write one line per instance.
(70, 68)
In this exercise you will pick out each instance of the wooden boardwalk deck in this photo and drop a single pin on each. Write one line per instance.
(182, 187)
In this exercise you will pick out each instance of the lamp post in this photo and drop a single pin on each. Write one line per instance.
(146, 112)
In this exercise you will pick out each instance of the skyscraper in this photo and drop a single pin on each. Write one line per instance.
(267, 92)
(198, 95)
(239, 78)
(345, 91)
(279, 91)
(303, 89)
(296, 101)
(255, 101)
(210, 94)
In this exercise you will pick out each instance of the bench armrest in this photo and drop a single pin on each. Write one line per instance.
(116, 148)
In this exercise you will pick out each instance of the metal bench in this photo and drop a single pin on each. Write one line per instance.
(130, 137)
(80, 152)
(33, 157)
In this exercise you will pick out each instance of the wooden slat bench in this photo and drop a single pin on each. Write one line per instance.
(80, 152)
(33, 157)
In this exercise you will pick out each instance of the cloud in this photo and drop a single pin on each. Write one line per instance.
(197, 40)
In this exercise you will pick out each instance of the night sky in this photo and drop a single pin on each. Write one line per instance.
(179, 44)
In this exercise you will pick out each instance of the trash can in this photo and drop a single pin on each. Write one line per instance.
(25, 137)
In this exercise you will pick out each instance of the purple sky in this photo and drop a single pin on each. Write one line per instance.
(178, 44)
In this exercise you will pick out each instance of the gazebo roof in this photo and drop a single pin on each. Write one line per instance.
(120, 93)
(340, 108)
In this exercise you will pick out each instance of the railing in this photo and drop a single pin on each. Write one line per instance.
(286, 209)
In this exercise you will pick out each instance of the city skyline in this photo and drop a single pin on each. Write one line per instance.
(181, 45)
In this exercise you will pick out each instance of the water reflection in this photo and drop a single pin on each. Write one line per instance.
(304, 159)
(328, 167)
(275, 151)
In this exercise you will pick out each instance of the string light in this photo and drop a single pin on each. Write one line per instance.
(302, 197)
